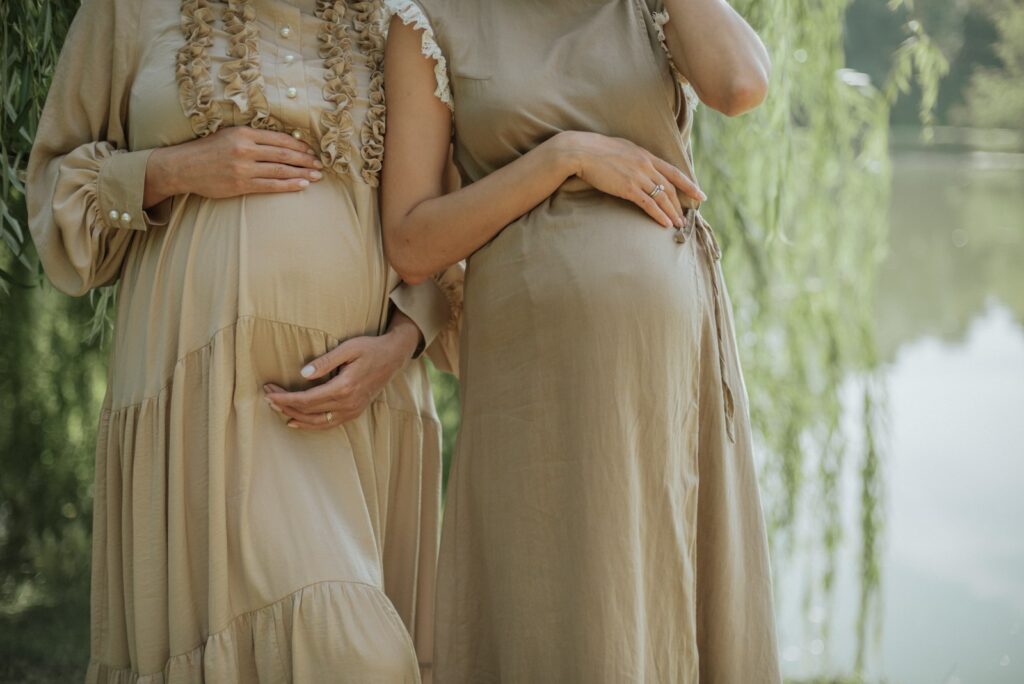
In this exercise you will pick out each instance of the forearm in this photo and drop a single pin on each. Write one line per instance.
(719, 53)
(441, 231)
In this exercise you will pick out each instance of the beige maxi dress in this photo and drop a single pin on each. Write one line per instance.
(228, 547)
(602, 521)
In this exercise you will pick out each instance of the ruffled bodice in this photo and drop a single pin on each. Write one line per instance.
(313, 68)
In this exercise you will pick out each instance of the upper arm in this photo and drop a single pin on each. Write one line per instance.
(419, 128)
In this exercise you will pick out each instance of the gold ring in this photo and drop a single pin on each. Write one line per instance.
(658, 189)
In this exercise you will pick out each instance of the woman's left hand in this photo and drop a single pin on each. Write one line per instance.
(368, 363)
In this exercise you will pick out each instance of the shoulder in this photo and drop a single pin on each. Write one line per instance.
(422, 14)
(108, 23)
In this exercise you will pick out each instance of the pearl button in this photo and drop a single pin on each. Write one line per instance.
(114, 214)
(297, 134)
(292, 92)
(289, 58)
(126, 217)
(286, 31)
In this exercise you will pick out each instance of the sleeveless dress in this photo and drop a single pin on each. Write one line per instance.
(228, 547)
(602, 520)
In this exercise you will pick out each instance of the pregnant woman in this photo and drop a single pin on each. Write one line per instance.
(221, 161)
(602, 521)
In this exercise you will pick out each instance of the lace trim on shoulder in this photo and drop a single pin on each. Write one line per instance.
(339, 85)
(369, 24)
(192, 68)
(689, 94)
(411, 14)
(242, 77)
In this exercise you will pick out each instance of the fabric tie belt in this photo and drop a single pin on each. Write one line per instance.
(706, 237)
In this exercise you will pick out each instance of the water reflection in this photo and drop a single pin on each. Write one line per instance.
(950, 327)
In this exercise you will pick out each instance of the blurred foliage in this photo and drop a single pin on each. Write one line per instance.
(995, 95)
(798, 195)
(31, 33)
(981, 39)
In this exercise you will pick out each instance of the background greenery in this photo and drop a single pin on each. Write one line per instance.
(799, 194)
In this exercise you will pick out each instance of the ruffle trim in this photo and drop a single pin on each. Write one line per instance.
(192, 67)
(339, 85)
(244, 85)
(689, 94)
(242, 76)
(216, 660)
(410, 14)
(369, 23)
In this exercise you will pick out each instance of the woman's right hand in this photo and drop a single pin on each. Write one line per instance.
(233, 161)
(619, 167)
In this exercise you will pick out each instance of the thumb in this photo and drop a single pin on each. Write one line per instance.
(345, 352)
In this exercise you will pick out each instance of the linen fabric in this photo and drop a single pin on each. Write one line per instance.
(603, 522)
(228, 547)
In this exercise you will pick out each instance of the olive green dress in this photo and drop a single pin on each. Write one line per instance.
(603, 521)
(228, 547)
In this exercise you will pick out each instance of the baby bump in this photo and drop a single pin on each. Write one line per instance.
(302, 260)
(588, 261)
(584, 296)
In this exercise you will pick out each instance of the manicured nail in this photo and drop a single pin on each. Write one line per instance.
(317, 163)
(307, 371)
(316, 175)
(702, 195)
(303, 182)
(293, 425)
(274, 407)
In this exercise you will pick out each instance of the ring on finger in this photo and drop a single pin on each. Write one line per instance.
(329, 417)
(658, 189)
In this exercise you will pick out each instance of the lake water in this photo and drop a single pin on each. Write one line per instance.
(950, 324)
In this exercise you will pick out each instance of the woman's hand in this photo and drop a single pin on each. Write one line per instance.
(368, 363)
(619, 167)
(232, 161)
(427, 229)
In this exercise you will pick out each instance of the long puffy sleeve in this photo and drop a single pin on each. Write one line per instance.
(84, 186)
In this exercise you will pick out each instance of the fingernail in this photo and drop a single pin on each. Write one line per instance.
(317, 164)
(293, 425)
(268, 389)
(702, 195)
(307, 371)
(303, 182)
(316, 175)
(679, 221)
(274, 407)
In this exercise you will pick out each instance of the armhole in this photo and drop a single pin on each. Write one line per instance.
(411, 14)
(690, 98)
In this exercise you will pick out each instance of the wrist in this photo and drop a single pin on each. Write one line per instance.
(161, 178)
(567, 151)
(403, 335)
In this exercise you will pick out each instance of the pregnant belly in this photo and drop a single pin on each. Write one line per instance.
(588, 261)
(303, 262)
(584, 297)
